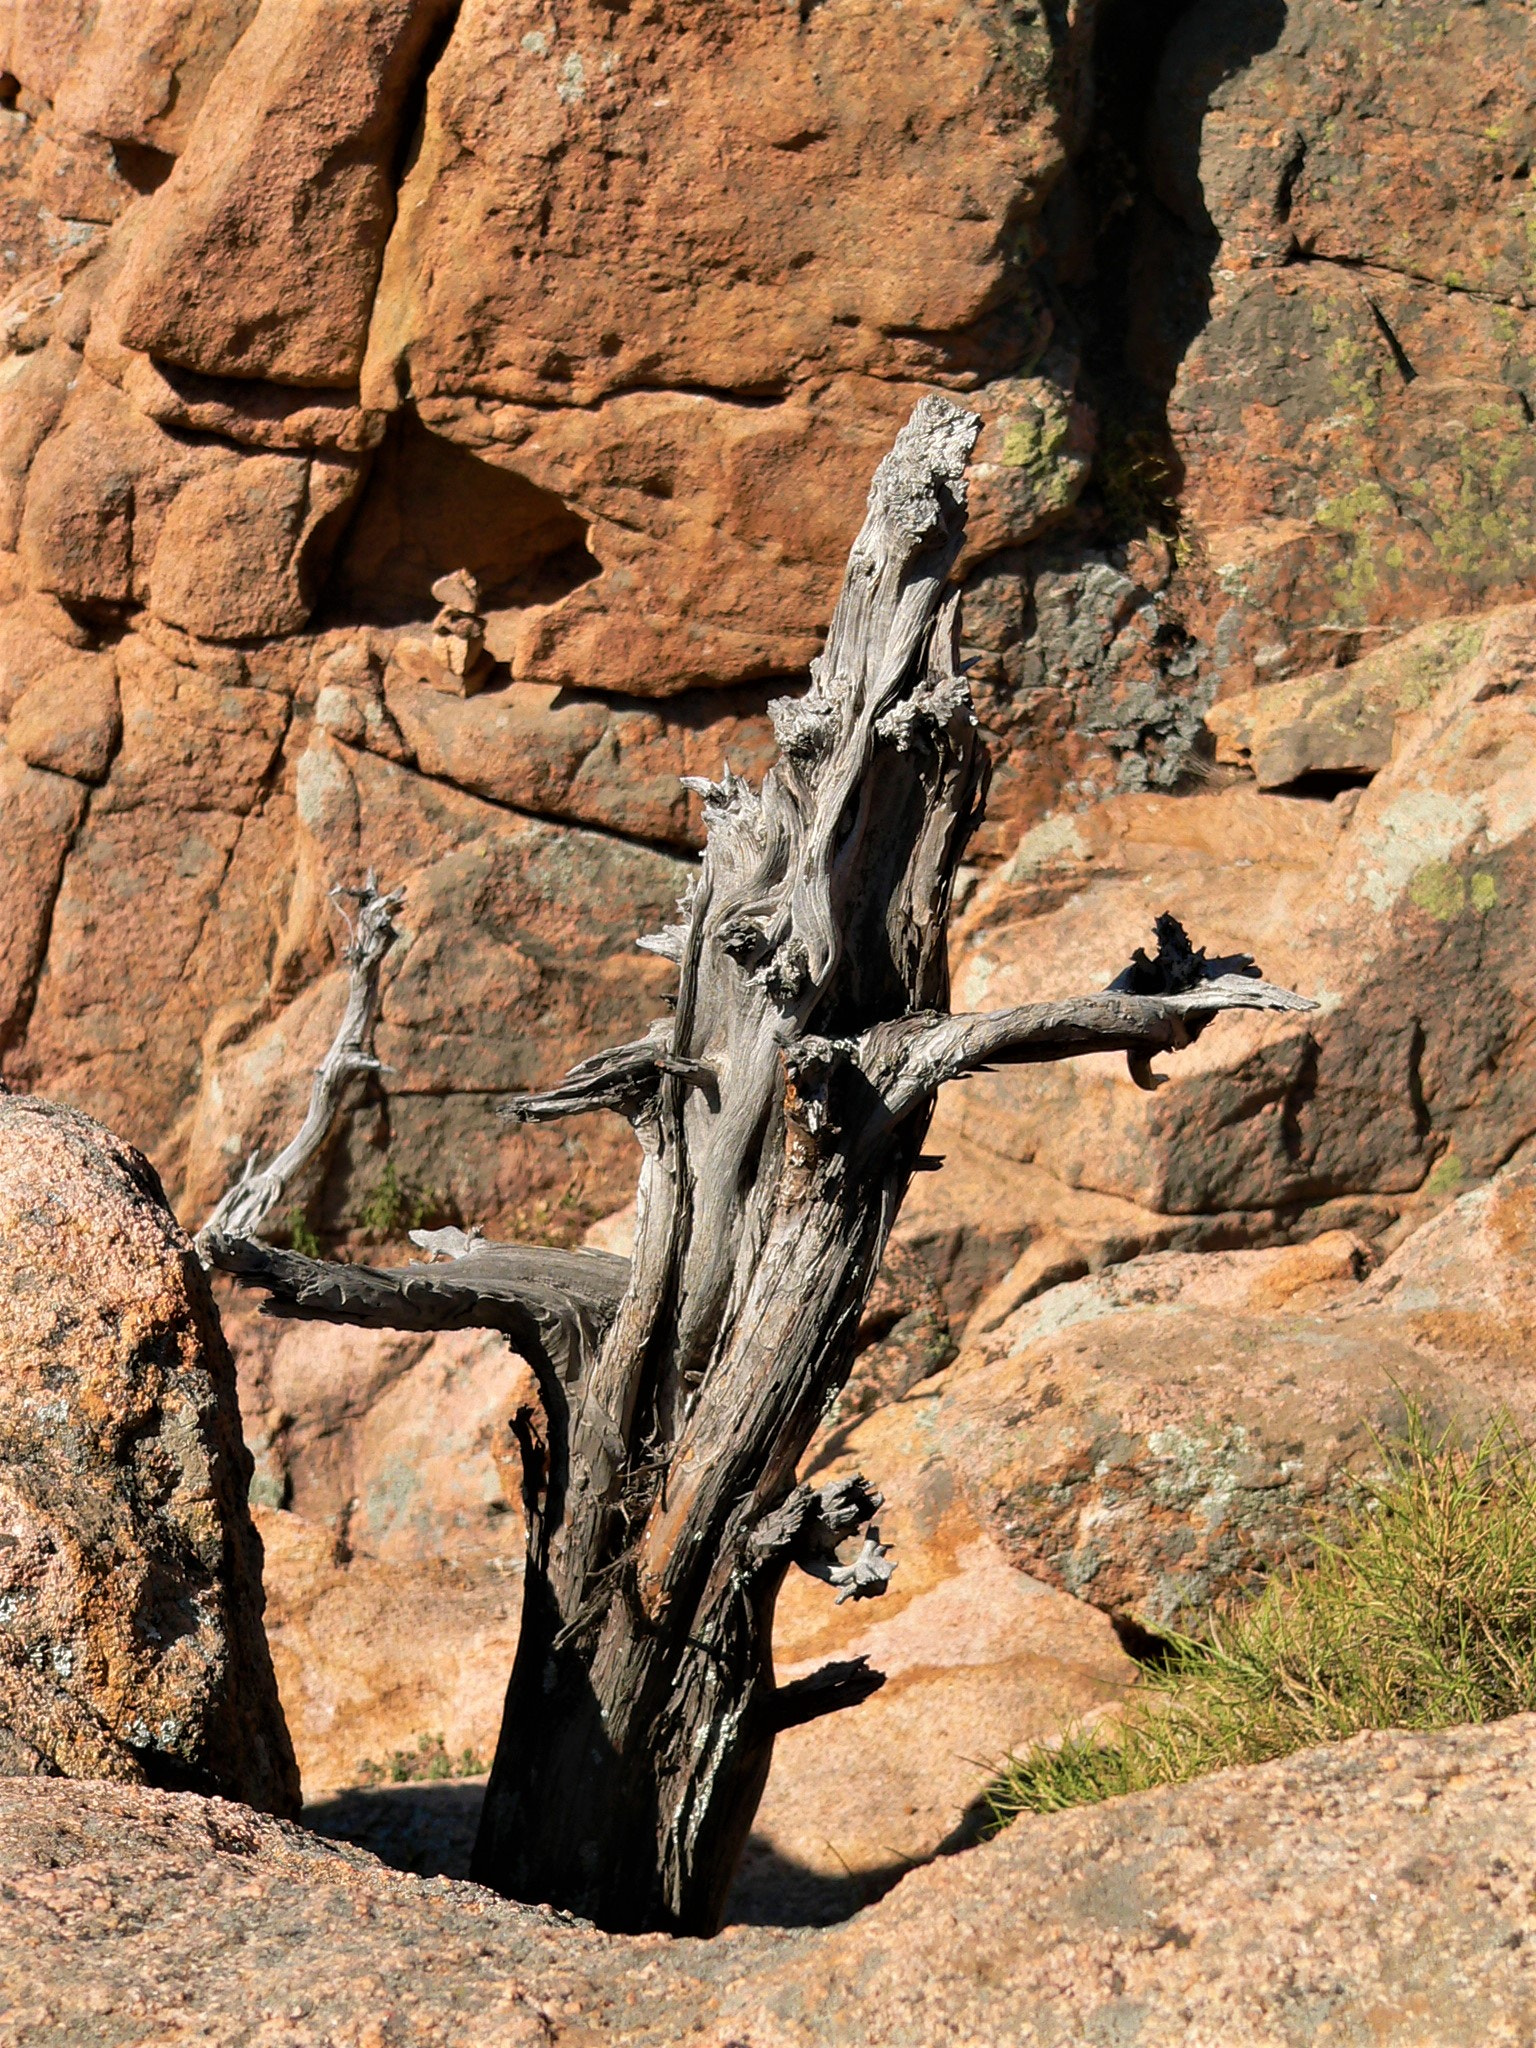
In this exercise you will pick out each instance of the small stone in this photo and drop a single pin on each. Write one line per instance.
(459, 591)
(68, 718)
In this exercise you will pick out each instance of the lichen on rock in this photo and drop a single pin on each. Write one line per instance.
(131, 1643)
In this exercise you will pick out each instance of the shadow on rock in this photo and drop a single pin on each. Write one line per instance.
(429, 1831)
(426, 1829)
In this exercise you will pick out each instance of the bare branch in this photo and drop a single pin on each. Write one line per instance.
(910, 1059)
(246, 1206)
(525, 1291)
(625, 1078)
(865, 1579)
(812, 1521)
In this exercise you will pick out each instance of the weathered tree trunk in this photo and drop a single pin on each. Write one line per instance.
(782, 1108)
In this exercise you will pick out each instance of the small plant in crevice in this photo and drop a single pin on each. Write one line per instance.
(428, 1763)
(397, 1205)
(300, 1237)
(1420, 1614)
(1137, 480)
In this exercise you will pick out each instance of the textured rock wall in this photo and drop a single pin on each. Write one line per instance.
(311, 302)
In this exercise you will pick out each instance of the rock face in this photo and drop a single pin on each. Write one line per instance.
(1344, 415)
(311, 306)
(1406, 908)
(131, 1642)
(1157, 1438)
(1378, 1892)
(387, 1501)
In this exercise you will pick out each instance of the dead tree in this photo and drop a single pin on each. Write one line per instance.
(781, 1108)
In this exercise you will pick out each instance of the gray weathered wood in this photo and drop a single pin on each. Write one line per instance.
(258, 1191)
(781, 1109)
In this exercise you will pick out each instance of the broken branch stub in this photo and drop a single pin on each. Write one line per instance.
(259, 1190)
(781, 1110)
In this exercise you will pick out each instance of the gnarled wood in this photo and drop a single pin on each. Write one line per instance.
(782, 1109)
(518, 1289)
(248, 1204)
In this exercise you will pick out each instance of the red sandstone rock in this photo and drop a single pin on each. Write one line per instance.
(131, 1643)
(260, 254)
(1349, 421)
(67, 718)
(1406, 909)
(39, 816)
(830, 202)
(223, 544)
(655, 293)
(584, 758)
(126, 70)
(375, 1655)
(1341, 721)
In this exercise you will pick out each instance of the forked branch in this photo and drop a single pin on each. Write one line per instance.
(259, 1190)
(1158, 1005)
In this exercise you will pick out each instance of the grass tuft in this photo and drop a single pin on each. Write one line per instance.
(1419, 1614)
(300, 1237)
(427, 1763)
(397, 1206)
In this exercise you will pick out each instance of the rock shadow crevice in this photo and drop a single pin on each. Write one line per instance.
(1084, 632)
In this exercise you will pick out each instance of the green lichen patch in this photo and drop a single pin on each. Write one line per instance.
(1444, 892)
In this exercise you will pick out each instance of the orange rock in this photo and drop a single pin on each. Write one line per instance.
(236, 554)
(775, 231)
(387, 1479)
(129, 71)
(259, 256)
(1405, 908)
(39, 816)
(1350, 424)
(130, 1574)
(68, 719)
(225, 544)
(1159, 1437)
(1387, 1876)
(562, 754)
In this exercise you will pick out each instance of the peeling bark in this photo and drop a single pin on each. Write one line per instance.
(782, 1109)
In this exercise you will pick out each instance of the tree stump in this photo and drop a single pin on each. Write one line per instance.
(781, 1107)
